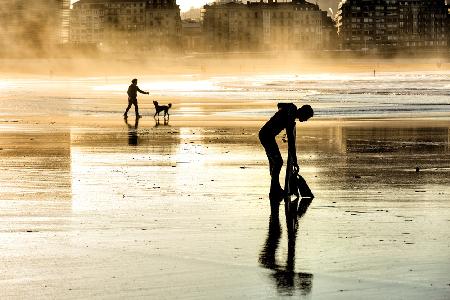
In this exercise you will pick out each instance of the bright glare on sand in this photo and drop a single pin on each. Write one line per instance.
(3, 84)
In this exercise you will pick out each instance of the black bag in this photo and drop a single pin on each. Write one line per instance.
(303, 187)
(299, 187)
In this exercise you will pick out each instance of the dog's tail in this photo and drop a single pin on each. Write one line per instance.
(170, 105)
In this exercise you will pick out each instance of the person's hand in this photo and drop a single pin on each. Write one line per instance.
(148, 93)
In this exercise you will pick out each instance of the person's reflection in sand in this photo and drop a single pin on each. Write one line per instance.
(133, 138)
(287, 281)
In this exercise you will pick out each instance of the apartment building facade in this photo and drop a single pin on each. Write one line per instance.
(126, 24)
(392, 24)
(192, 35)
(263, 26)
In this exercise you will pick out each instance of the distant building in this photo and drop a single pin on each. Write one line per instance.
(126, 24)
(30, 28)
(392, 24)
(448, 25)
(329, 33)
(192, 35)
(263, 26)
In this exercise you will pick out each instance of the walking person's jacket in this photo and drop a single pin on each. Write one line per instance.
(132, 91)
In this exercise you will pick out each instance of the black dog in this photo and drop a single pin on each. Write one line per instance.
(160, 108)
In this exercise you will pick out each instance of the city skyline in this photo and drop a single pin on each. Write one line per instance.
(185, 5)
(285, 25)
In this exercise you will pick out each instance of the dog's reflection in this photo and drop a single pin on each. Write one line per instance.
(158, 123)
(133, 137)
(286, 280)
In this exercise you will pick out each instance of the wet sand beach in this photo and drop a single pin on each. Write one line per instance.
(95, 207)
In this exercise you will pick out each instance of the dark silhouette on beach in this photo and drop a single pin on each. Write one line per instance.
(162, 108)
(284, 119)
(133, 89)
(286, 279)
(133, 138)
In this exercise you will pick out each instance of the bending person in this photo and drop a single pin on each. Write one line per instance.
(284, 118)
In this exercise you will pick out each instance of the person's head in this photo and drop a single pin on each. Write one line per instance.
(134, 81)
(304, 113)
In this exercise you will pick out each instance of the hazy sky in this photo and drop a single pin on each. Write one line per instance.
(186, 4)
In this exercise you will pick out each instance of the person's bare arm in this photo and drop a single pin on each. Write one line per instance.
(292, 149)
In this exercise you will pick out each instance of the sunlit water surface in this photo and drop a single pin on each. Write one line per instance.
(332, 95)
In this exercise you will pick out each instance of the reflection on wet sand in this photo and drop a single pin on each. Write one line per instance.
(38, 163)
(189, 206)
(105, 168)
(367, 139)
(396, 140)
(158, 122)
(285, 278)
(133, 138)
(375, 158)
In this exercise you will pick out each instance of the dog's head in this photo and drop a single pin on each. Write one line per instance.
(170, 105)
(155, 102)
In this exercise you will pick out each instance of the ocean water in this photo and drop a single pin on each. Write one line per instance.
(350, 95)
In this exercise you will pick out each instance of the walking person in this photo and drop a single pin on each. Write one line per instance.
(284, 118)
(133, 89)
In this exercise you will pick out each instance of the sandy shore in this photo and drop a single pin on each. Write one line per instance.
(96, 208)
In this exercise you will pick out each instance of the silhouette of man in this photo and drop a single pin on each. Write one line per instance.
(132, 98)
(284, 118)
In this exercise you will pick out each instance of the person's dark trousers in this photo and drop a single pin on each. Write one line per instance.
(275, 161)
(132, 101)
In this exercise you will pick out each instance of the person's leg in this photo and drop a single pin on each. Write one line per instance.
(275, 164)
(128, 107)
(136, 108)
